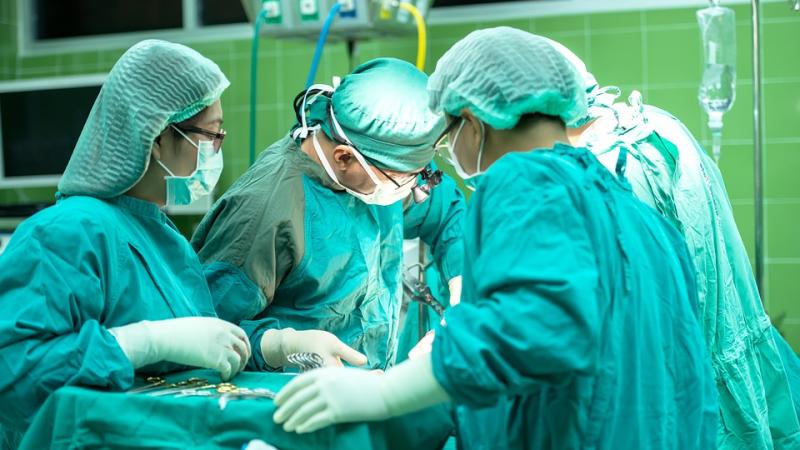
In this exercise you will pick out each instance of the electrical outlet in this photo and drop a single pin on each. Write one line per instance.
(308, 8)
(348, 8)
(273, 9)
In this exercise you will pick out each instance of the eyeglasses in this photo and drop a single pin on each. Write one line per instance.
(216, 138)
(429, 177)
(399, 183)
(442, 146)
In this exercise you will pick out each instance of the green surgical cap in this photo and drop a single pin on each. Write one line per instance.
(501, 74)
(153, 84)
(382, 107)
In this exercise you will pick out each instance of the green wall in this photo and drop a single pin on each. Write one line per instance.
(657, 52)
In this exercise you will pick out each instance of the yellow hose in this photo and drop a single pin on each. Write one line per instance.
(421, 34)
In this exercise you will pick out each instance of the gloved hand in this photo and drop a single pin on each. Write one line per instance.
(331, 395)
(205, 342)
(323, 397)
(455, 290)
(423, 347)
(276, 345)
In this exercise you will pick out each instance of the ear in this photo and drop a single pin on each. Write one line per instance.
(155, 150)
(342, 157)
(162, 143)
(472, 124)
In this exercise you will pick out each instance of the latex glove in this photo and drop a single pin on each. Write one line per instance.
(423, 347)
(205, 342)
(323, 397)
(455, 290)
(276, 345)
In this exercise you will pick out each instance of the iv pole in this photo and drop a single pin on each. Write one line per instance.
(757, 149)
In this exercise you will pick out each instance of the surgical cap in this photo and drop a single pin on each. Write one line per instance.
(593, 92)
(501, 74)
(153, 84)
(587, 78)
(382, 108)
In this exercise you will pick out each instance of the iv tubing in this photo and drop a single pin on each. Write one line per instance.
(421, 33)
(253, 76)
(323, 35)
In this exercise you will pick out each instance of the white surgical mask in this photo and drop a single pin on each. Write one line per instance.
(470, 179)
(385, 193)
(201, 182)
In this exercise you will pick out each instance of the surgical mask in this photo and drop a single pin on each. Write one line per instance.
(470, 179)
(185, 190)
(385, 193)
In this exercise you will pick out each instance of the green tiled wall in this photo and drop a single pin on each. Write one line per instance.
(657, 52)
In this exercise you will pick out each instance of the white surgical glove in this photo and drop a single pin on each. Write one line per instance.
(455, 290)
(205, 342)
(324, 397)
(276, 345)
(424, 346)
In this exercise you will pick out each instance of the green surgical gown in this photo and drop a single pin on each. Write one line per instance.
(578, 324)
(792, 364)
(69, 274)
(668, 170)
(283, 248)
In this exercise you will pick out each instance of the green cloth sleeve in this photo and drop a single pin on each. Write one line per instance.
(438, 221)
(534, 314)
(248, 243)
(53, 291)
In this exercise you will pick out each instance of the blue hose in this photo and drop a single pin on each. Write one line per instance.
(323, 35)
(253, 76)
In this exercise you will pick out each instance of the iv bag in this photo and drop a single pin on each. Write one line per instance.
(718, 86)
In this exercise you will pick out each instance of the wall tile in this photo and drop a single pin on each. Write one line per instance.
(781, 179)
(736, 165)
(784, 291)
(777, 38)
(670, 17)
(617, 58)
(550, 25)
(782, 114)
(615, 21)
(665, 65)
(783, 239)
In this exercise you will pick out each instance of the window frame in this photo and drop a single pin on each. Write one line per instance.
(41, 84)
(192, 31)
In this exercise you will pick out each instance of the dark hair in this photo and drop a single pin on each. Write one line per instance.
(529, 120)
(188, 122)
(184, 123)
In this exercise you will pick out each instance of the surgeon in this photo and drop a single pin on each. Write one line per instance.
(102, 283)
(669, 170)
(578, 323)
(304, 251)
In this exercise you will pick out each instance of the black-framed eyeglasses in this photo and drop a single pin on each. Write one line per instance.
(444, 137)
(412, 176)
(431, 178)
(442, 146)
(216, 137)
